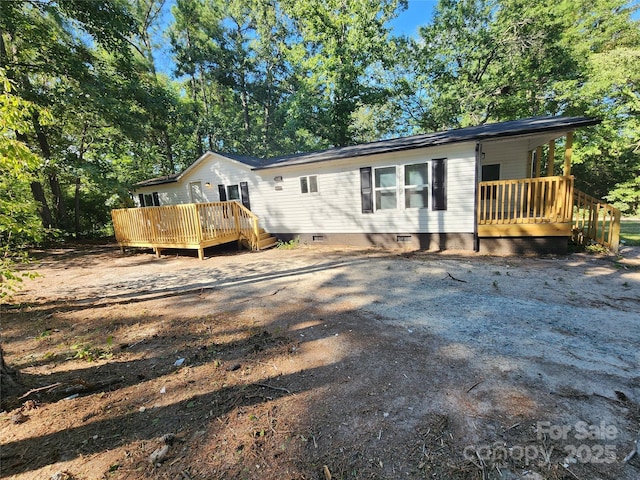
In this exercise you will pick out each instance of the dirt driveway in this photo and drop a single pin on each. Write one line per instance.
(324, 363)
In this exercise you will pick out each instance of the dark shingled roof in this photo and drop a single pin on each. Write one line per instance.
(482, 132)
(159, 180)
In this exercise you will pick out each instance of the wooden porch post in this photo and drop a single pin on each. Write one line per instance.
(538, 161)
(614, 228)
(552, 158)
(568, 150)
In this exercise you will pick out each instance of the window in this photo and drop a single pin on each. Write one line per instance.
(490, 172)
(149, 199)
(309, 184)
(195, 190)
(233, 192)
(416, 186)
(381, 187)
(385, 187)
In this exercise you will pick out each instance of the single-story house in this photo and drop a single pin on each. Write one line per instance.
(490, 188)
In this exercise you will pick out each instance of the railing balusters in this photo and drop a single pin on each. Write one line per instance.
(595, 221)
(187, 224)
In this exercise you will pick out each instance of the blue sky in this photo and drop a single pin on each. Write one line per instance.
(418, 13)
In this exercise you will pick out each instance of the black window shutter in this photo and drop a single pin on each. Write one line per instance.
(141, 198)
(223, 193)
(244, 195)
(156, 199)
(366, 190)
(439, 184)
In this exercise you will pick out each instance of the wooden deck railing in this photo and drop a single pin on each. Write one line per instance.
(546, 206)
(525, 201)
(595, 221)
(194, 225)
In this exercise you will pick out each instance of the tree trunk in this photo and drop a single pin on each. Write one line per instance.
(76, 209)
(9, 386)
(58, 199)
(43, 206)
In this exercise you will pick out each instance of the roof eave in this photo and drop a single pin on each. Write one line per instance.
(572, 124)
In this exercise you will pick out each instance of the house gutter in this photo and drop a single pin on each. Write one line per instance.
(476, 239)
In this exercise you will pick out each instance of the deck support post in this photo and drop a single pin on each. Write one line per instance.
(158, 252)
(201, 253)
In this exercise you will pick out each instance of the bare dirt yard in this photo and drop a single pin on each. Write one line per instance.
(323, 363)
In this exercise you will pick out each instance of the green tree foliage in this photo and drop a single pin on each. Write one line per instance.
(232, 54)
(20, 225)
(340, 47)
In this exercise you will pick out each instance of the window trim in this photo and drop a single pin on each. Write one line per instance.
(415, 187)
(377, 189)
(152, 196)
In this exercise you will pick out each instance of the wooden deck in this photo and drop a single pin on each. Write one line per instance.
(191, 226)
(545, 207)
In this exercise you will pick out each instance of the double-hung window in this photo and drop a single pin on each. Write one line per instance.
(386, 189)
(416, 186)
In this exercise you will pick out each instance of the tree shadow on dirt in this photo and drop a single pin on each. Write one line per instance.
(225, 363)
(149, 289)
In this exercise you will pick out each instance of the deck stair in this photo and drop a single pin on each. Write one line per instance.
(265, 239)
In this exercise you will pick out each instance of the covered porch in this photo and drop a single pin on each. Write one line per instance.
(545, 206)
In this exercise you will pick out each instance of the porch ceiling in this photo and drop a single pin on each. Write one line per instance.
(533, 141)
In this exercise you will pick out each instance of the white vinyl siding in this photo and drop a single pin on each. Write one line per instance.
(511, 154)
(214, 170)
(337, 208)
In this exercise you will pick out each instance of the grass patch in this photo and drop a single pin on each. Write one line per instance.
(290, 245)
(630, 231)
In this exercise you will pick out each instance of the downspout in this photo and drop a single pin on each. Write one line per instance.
(476, 240)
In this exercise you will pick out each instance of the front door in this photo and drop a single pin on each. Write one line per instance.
(244, 194)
